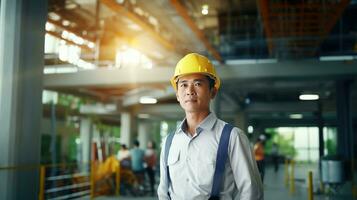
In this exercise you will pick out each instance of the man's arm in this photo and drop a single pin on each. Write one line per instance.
(162, 190)
(244, 167)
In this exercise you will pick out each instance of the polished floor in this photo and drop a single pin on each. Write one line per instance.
(275, 189)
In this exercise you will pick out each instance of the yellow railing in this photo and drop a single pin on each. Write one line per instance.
(289, 179)
(310, 187)
(78, 184)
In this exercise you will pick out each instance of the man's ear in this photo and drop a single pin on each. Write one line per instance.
(177, 97)
(213, 93)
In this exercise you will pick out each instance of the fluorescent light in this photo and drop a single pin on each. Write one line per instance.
(250, 61)
(309, 97)
(143, 116)
(148, 100)
(336, 58)
(295, 116)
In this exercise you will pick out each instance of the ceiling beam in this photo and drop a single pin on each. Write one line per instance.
(69, 29)
(57, 35)
(183, 13)
(104, 77)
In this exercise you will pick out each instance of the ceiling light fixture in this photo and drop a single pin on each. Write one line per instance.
(308, 97)
(295, 116)
(71, 6)
(143, 116)
(54, 16)
(204, 10)
(148, 100)
(337, 58)
(66, 23)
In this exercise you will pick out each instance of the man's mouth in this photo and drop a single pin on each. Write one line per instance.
(191, 100)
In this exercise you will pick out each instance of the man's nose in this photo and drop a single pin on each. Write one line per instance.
(190, 90)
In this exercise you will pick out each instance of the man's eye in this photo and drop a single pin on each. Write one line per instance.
(183, 85)
(198, 83)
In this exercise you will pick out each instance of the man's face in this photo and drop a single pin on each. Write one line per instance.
(193, 93)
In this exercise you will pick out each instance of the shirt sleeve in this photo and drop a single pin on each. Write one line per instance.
(162, 189)
(244, 167)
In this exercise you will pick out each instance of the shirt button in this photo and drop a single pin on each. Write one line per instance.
(187, 180)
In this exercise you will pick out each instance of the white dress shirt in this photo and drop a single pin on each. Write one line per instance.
(192, 163)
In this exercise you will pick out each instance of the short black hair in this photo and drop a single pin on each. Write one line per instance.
(211, 82)
(136, 143)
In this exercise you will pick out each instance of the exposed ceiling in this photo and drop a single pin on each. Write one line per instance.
(164, 30)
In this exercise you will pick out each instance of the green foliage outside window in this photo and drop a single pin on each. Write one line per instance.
(285, 143)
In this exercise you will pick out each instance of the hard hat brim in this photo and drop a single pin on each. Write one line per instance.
(217, 81)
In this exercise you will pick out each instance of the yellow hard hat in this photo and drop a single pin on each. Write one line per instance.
(194, 63)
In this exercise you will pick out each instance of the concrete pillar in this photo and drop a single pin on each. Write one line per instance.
(126, 130)
(97, 140)
(22, 30)
(344, 119)
(320, 125)
(144, 133)
(85, 143)
(241, 120)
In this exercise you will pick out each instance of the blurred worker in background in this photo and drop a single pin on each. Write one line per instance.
(137, 162)
(259, 155)
(150, 160)
(123, 156)
(203, 143)
(275, 156)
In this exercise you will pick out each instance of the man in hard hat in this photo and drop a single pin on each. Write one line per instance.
(205, 158)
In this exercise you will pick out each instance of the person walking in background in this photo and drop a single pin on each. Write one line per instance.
(203, 143)
(150, 160)
(137, 162)
(275, 156)
(123, 156)
(259, 155)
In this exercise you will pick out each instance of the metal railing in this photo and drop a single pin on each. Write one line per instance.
(65, 180)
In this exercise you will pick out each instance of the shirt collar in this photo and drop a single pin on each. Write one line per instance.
(206, 124)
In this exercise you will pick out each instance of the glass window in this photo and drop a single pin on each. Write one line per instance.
(300, 136)
(313, 137)
(302, 155)
(302, 143)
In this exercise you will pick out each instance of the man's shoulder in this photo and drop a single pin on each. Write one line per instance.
(235, 128)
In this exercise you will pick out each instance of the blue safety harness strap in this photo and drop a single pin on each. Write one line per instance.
(222, 154)
(167, 149)
(221, 159)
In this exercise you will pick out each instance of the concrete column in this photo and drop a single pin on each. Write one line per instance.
(85, 143)
(144, 133)
(97, 140)
(320, 125)
(241, 121)
(126, 130)
(344, 119)
(22, 30)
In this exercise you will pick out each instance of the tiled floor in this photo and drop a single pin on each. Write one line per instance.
(274, 188)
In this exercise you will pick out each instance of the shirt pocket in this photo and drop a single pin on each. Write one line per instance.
(205, 171)
(173, 162)
(174, 158)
